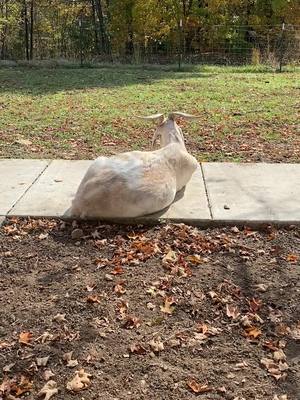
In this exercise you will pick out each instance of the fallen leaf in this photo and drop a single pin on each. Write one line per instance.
(25, 338)
(252, 332)
(295, 332)
(279, 355)
(255, 304)
(119, 288)
(72, 363)
(137, 348)
(275, 369)
(131, 322)
(48, 374)
(49, 390)
(156, 345)
(24, 386)
(168, 307)
(292, 258)
(90, 288)
(42, 361)
(232, 312)
(93, 298)
(197, 387)
(80, 381)
(171, 256)
(68, 358)
(151, 306)
(195, 259)
(4, 345)
(262, 287)
(59, 317)
(43, 236)
(118, 270)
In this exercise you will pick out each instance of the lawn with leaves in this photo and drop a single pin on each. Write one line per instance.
(245, 114)
(170, 312)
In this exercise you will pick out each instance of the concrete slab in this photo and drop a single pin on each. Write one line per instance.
(52, 193)
(253, 192)
(16, 177)
(190, 205)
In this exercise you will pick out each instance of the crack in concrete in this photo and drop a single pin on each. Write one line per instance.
(29, 187)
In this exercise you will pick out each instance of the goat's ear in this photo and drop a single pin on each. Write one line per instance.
(175, 114)
(158, 118)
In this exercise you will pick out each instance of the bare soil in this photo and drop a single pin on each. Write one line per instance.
(165, 312)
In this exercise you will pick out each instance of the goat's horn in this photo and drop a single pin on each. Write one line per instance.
(182, 115)
(154, 117)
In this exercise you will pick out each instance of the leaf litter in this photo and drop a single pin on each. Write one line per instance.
(178, 298)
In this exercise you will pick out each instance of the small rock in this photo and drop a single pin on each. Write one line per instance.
(77, 233)
(226, 207)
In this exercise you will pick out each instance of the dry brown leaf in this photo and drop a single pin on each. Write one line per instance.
(197, 387)
(292, 258)
(232, 311)
(118, 270)
(93, 298)
(195, 259)
(202, 328)
(275, 369)
(279, 355)
(25, 338)
(49, 390)
(90, 288)
(42, 361)
(168, 306)
(122, 309)
(119, 288)
(4, 345)
(252, 332)
(171, 257)
(131, 322)
(48, 374)
(137, 348)
(156, 345)
(80, 381)
(68, 358)
(295, 332)
(24, 386)
(255, 304)
(59, 317)
(270, 345)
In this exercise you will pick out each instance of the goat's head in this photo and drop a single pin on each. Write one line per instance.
(167, 129)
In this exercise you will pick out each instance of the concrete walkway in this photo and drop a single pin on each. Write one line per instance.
(218, 194)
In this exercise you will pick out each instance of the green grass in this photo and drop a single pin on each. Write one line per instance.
(246, 113)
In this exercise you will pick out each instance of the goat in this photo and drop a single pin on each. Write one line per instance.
(137, 183)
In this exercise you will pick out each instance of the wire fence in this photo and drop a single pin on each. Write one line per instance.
(276, 46)
(218, 44)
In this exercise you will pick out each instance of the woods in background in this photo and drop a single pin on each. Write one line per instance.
(154, 31)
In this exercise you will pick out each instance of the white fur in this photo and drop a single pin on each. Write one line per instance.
(138, 182)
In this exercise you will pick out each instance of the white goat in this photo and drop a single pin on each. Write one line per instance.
(138, 182)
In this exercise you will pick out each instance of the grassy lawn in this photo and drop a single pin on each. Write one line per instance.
(246, 115)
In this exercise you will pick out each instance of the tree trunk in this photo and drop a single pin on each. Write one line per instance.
(26, 30)
(102, 28)
(31, 28)
(95, 27)
(4, 13)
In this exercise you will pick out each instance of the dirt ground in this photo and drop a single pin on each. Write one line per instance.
(165, 312)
